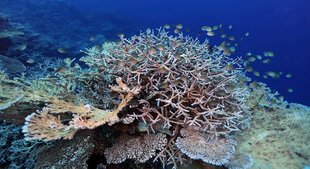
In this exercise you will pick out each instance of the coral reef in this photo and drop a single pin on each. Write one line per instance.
(279, 132)
(170, 84)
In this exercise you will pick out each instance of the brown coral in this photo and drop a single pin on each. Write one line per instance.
(140, 149)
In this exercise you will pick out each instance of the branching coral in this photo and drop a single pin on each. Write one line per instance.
(168, 83)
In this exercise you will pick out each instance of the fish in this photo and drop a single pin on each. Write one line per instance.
(142, 127)
(148, 31)
(187, 30)
(206, 28)
(211, 33)
(232, 38)
(223, 36)
(259, 57)
(215, 27)
(268, 53)
(167, 26)
(256, 73)
(160, 47)
(266, 61)
(179, 26)
(30, 61)
(265, 76)
(22, 47)
(176, 31)
(229, 67)
(290, 90)
(251, 59)
(289, 75)
(247, 34)
(121, 35)
(61, 69)
(62, 50)
(151, 51)
(273, 74)
(92, 38)
(249, 69)
(230, 27)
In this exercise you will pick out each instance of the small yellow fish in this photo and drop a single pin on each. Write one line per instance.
(290, 90)
(176, 31)
(121, 35)
(211, 33)
(249, 69)
(22, 47)
(269, 53)
(289, 75)
(251, 59)
(265, 76)
(206, 28)
(259, 57)
(61, 69)
(92, 38)
(229, 67)
(266, 61)
(179, 26)
(30, 61)
(215, 27)
(166, 26)
(256, 73)
(273, 74)
(152, 51)
(232, 38)
(233, 49)
(62, 50)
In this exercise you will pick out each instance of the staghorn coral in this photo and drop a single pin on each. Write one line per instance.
(46, 125)
(198, 145)
(140, 149)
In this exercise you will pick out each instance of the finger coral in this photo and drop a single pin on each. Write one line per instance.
(139, 149)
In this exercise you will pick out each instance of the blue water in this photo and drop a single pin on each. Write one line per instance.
(281, 26)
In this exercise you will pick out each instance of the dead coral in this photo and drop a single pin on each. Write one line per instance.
(140, 149)
(198, 145)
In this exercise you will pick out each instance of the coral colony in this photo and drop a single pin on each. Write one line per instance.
(181, 99)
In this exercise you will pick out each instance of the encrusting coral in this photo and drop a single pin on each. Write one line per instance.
(139, 149)
(170, 84)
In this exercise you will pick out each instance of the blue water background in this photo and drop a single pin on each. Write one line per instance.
(282, 26)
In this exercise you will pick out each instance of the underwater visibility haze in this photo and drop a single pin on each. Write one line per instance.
(118, 84)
